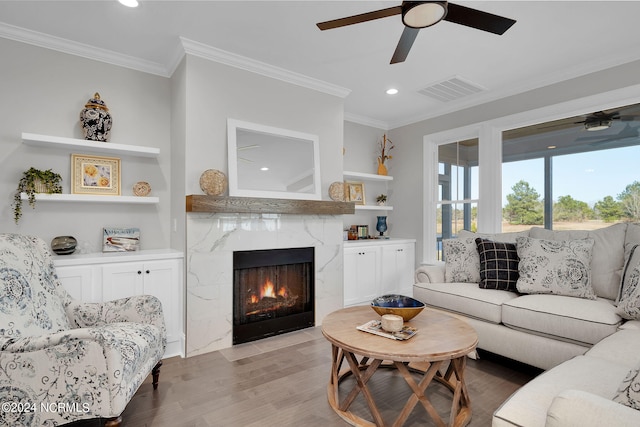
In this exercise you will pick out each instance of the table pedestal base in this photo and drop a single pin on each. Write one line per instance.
(364, 369)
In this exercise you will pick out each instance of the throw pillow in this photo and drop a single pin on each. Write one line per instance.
(560, 267)
(629, 301)
(498, 265)
(629, 391)
(462, 263)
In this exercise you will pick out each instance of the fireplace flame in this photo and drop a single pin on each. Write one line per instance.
(268, 290)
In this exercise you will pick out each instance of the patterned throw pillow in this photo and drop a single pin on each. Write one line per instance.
(560, 267)
(498, 265)
(462, 263)
(629, 391)
(629, 302)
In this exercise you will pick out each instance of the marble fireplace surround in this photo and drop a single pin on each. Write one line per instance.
(213, 237)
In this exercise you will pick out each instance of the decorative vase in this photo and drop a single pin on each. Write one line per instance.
(381, 226)
(64, 245)
(95, 120)
(382, 169)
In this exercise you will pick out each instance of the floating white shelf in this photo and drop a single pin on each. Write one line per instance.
(366, 176)
(93, 198)
(88, 146)
(374, 208)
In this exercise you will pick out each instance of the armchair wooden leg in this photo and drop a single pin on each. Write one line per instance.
(113, 422)
(156, 374)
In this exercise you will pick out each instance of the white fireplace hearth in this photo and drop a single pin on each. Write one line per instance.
(211, 241)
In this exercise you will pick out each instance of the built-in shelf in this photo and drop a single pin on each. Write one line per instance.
(374, 208)
(366, 176)
(220, 204)
(85, 146)
(91, 198)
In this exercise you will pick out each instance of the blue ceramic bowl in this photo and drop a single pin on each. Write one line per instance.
(401, 305)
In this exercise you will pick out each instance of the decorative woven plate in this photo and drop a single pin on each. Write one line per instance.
(141, 188)
(213, 182)
(336, 191)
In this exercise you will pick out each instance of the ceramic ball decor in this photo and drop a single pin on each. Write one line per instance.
(64, 245)
(95, 120)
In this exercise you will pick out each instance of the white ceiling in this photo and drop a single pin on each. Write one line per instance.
(551, 41)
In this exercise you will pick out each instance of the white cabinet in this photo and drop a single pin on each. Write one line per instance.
(398, 268)
(105, 277)
(377, 267)
(361, 274)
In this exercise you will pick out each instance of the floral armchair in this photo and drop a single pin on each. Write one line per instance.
(62, 360)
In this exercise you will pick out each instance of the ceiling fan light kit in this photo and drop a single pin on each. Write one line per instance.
(596, 125)
(423, 14)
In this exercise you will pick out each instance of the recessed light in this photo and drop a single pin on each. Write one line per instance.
(392, 91)
(551, 147)
(264, 168)
(129, 3)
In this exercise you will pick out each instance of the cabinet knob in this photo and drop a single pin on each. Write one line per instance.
(147, 271)
(139, 272)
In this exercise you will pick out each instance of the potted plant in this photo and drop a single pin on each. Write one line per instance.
(34, 181)
(381, 199)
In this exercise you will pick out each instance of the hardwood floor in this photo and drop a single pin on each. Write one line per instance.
(282, 381)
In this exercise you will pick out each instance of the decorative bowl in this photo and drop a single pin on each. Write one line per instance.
(401, 305)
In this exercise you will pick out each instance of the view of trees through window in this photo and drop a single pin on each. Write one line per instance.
(561, 176)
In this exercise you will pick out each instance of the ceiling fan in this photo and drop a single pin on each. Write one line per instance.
(422, 14)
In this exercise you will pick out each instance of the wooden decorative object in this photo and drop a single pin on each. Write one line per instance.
(141, 188)
(336, 191)
(213, 182)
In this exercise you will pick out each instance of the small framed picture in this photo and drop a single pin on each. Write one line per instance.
(354, 192)
(95, 175)
(116, 239)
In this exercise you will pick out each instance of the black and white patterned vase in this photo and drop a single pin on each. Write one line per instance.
(95, 120)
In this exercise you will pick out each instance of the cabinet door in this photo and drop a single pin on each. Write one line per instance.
(162, 280)
(361, 277)
(78, 281)
(121, 280)
(397, 269)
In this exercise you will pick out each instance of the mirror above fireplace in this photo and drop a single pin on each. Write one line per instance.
(271, 162)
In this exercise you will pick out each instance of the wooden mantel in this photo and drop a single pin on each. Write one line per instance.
(220, 204)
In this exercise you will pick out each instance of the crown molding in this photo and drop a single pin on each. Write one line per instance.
(234, 60)
(80, 49)
(366, 121)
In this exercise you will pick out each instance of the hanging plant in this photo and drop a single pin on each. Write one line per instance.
(34, 181)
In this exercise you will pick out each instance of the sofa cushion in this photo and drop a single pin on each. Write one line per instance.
(555, 267)
(608, 254)
(496, 237)
(498, 265)
(629, 301)
(528, 406)
(566, 318)
(623, 347)
(629, 390)
(464, 298)
(632, 237)
(462, 263)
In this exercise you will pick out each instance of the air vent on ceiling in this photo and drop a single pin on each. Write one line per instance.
(451, 89)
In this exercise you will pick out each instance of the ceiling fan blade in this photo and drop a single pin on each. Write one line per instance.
(478, 19)
(363, 17)
(404, 44)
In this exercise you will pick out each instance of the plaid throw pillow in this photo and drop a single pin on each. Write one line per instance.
(498, 265)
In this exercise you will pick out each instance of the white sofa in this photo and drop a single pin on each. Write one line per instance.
(580, 341)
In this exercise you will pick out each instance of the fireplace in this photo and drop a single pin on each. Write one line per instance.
(273, 292)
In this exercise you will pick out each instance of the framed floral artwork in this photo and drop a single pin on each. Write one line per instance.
(95, 175)
(354, 192)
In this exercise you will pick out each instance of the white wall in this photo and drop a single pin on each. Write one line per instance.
(408, 180)
(215, 92)
(42, 91)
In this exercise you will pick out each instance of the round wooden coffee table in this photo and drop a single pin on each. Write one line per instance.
(440, 339)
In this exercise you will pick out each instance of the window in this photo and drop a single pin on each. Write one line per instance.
(457, 189)
(563, 176)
